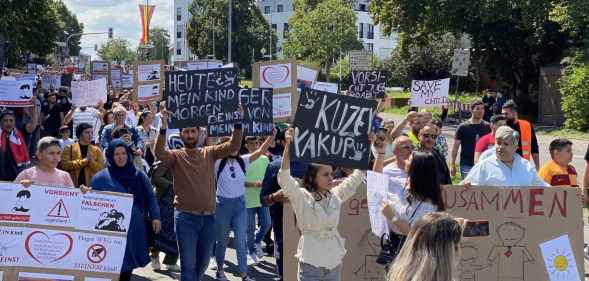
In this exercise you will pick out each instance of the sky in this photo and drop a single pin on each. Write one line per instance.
(121, 15)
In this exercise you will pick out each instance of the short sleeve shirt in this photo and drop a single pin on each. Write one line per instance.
(231, 181)
(255, 173)
(555, 175)
(57, 178)
(468, 134)
(484, 143)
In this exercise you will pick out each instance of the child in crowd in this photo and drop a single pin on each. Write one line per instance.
(46, 172)
(64, 133)
(559, 171)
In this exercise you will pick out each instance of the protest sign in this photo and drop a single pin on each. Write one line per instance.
(325, 87)
(127, 81)
(362, 246)
(257, 120)
(99, 70)
(360, 60)
(280, 76)
(43, 229)
(201, 64)
(368, 84)
(506, 245)
(202, 97)
(29, 77)
(460, 62)
(32, 68)
(88, 93)
(51, 81)
(115, 74)
(559, 259)
(148, 81)
(16, 93)
(429, 93)
(306, 76)
(376, 195)
(332, 129)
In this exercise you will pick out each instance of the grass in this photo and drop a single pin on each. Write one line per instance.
(562, 133)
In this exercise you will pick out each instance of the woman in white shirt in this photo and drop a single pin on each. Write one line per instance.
(422, 194)
(317, 206)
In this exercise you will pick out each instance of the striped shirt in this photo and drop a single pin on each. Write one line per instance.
(90, 116)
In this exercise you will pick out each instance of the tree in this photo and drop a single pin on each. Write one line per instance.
(68, 25)
(321, 31)
(117, 50)
(517, 36)
(207, 31)
(159, 38)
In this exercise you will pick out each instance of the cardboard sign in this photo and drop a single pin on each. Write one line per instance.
(280, 76)
(257, 120)
(202, 97)
(429, 93)
(332, 129)
(362, 245)
(325, 87)
(148, 81)
(88, 93)
(367, 84)
(519, 221)
(16, 93)
(99, 70)
(306, 76)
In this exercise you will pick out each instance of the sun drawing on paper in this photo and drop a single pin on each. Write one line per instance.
(559, 263)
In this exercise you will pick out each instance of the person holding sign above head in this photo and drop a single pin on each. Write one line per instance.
(120, 175)
(317, 205)
(506, 167)
(194, 185)
(82, 159)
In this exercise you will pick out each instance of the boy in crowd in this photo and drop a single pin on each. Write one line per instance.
(559, 171)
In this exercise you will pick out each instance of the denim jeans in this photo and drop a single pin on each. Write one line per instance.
(265, 223)
(464, 169)
(231, 214)
(309, 272)
(195, 235)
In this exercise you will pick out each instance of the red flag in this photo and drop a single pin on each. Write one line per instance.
(146, 11)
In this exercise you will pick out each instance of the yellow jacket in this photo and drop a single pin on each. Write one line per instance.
(72, 162)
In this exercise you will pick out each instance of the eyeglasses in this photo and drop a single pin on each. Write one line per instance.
(232, 170)
(431, 136)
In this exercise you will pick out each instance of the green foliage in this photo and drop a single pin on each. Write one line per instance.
(320, 31)
(574, 86)
(207, 31)
(159, 38)
(334, 73)
(117, 50)
(68, 25)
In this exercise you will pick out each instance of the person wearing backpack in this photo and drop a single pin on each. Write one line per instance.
(231, 209)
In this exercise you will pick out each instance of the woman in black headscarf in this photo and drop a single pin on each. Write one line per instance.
(121, 176)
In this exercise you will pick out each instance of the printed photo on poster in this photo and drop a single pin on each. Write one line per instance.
(147, 92)
(16, 93)
(148, 72)
(115, 74)
(29, 276)
(98, 66)
(102, 212)
(98, 253)
(276, 76)
(559, 259)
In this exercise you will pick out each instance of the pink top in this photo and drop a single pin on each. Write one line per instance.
(57, 178)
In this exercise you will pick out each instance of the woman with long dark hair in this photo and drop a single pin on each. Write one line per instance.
(422, 194)
(317, 207)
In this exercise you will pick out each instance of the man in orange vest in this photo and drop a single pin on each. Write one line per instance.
(528, 143)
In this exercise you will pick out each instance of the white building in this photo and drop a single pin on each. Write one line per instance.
(277, 13)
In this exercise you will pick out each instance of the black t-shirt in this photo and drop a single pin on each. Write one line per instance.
(82, 175)
(587, 154)
(52, 123)
(535, 148)
(468, 134)
(8, 167)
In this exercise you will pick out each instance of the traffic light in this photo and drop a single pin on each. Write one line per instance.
(110, 33)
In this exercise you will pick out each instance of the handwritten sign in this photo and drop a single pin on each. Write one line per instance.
(332, 129)
(367, 84)
(429, 93)
(88, 93)
(16, 93)
(519, 220)
(257, 105)
(202, 97)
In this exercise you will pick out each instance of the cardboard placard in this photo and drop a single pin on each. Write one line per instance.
(202, 97)
(16, 93)
(148, 81)
(429, 93)
(368, 84)
(127, 81)
(257, 119)
(280, 76)
(88, 93)
(362, 245)
(100, 69)
(332, 129)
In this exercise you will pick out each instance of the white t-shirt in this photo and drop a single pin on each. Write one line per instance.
(231, 181)
(90, 116)
(131, 120)
(410, 212)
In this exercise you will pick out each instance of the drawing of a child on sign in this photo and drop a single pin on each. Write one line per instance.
(510, 257)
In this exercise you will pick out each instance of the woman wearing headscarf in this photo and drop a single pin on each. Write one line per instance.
(122, 176)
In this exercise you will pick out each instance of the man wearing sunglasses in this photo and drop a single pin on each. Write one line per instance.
(427, 138)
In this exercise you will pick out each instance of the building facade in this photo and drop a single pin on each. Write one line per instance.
(277, 13)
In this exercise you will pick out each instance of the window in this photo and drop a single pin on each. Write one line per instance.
(361, 30)
(370, 31)
(179, 14)
(368, 46)
(178, 51)
(179, 29)
(362, 7)
(179, 34)
(266, 9)
(279, 8)
(285, 30)
(274, 27)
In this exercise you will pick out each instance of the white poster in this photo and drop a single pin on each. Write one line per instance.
(306, 75)
(30, 276)
(16, 93)
(376, 194)
(429, 93)
(88, 93)
(52, 81)
(115, 74)
(325, 86)
(148, 72)
(26, 77)
(460, 62)
(11, 245)
(98, 253)
(147, 92)
(99, 66)
(46, 248)
(560, 260)
(276, 76)
(281, 105)
(100, 212)
(202, 65)
(127, 80)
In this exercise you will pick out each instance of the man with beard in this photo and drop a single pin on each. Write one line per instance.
(194, 185)
(528, 143)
